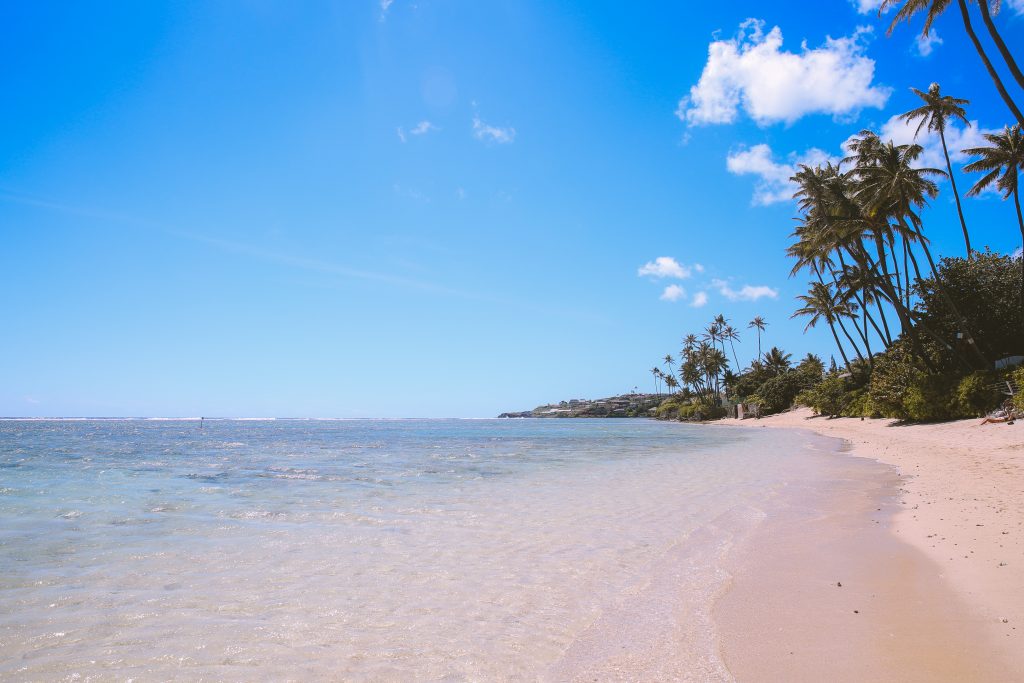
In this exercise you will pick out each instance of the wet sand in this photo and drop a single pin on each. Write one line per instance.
(925, 544)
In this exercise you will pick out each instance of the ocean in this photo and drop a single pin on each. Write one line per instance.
(376, 550)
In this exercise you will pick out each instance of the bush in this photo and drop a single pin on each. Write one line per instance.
(895, 374)
(932, 398)
(779, 392)
(828, 397)
(976, 395)
(1018, 377)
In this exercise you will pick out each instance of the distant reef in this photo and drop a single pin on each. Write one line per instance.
(627, 405)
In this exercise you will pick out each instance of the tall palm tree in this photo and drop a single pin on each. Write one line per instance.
(656, 371)
(932, 9)
(668, 361)
(758, 323)
(819, 304)
(935, 113)
(1002, 161)
(729, 333)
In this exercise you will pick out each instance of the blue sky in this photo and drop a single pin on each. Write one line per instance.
(422, 208)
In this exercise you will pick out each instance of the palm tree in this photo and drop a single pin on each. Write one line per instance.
(758, 323)
(894, 188)
(932, 9)
(937, 111)
(671, 383)
(656, 371)
(729, 332)
(668, 361)
(776, 362)
(819, 304)
(1002, 161)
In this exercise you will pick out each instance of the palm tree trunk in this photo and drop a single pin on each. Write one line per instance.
(864, 260)
(733, 347)
(860, 302)
(956, 194)
(998, 39)
(856, 349)
(846, 361)
(906, 271)
(1020, 222)
(988, 65)
(867, 341)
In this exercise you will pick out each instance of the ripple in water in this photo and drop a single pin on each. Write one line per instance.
(373, 550)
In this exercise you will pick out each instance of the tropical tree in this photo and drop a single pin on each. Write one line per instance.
(729, 333)
(656, 371)
(1001, 163)
(758, 323)
(820, 304)
(776, 361)
(894, 188)
(668, 361)
(932, 9)
(936, 112)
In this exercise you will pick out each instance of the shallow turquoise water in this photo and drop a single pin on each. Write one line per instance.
(362, 549)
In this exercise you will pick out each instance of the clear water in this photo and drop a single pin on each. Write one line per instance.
(374, 550)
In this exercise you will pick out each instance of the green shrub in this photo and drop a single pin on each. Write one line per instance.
(1018, 377)
(779, 392)
(827, 397)
(976, 395)
(859, 404)
(895, 373)
(932, 398)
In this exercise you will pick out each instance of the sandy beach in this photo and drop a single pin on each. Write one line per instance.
(928, 552)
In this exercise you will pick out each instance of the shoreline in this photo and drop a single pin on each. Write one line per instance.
(930, 540)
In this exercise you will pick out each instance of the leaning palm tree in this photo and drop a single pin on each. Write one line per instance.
(729, 333)
(758, 323)
(668, 361)
(936, 112)
(819, 304)
(1002, 161)
(894, 188)
(932, 9)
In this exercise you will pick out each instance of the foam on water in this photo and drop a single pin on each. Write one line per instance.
(375, 550)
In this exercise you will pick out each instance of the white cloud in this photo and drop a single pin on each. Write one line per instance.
(666, 266)
(483, 131)
(926, 44)
(1016, 5)
(773, 184)
(421, 128)
(752, 72)
(745, 293)
(699, 299)
(866, 6)
(673, 293)
(385, 5)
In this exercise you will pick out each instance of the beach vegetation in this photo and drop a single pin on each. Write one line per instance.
(922, 336)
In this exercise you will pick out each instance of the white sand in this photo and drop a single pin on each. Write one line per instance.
(961, 504)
